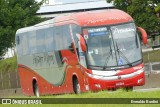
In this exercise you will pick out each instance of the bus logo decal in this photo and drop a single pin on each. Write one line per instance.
(119, 77)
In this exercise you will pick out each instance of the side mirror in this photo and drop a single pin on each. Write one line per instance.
(144, 35)
(82, 42)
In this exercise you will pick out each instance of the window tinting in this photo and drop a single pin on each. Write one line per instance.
(59, 38)
(19, 45)
(49, 36)
(25, 48)
(40, 39)
(32, 42)
(76, 29)
(66, 37)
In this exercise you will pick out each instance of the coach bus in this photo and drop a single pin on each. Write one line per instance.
(80, 52)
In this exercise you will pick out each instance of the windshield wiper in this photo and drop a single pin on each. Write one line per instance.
(108, 56)
(124, 57)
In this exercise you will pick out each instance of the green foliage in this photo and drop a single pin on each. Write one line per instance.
(142, 11)
(15, 14)
(157, 9)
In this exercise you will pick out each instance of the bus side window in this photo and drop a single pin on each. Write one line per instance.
(67, 41)
(76, 30)
(19, 44)
(58, 37)
(40, 40)
(17, 40)
(49, 39)
(25, 47)
(32, 42)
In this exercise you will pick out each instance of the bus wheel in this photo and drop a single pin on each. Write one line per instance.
(76, 86)
(36, 90)
(129, 88)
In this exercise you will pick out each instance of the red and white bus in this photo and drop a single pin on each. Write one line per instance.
(80, 52)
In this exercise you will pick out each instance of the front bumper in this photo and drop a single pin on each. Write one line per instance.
(112, 82)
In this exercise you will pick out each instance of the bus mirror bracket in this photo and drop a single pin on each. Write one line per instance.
(82, 42)
(144, 35)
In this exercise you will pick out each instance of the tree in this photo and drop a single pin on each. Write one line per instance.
(15, 14)
(142, 11)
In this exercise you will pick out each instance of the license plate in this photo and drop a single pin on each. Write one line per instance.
(119, 83)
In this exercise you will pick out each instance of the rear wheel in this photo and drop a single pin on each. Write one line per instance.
(36, 90)
(76, 86)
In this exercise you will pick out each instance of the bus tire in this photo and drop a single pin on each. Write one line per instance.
(76, 86)
(36, 90)
(129, 89)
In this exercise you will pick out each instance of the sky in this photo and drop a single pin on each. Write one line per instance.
(9, 53)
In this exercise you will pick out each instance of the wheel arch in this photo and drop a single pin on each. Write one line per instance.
(74, 76)
(75, 84)
(34, 81)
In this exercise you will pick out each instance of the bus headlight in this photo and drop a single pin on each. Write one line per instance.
(140, 71)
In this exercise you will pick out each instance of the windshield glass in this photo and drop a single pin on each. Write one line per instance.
(127, 43)
(100, 47)
(112, 46)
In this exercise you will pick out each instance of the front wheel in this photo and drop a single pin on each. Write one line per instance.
(76, 86)
(128, 89)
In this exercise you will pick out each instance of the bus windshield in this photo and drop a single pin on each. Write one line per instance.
(113, 47)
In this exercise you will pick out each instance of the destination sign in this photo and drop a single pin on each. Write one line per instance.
(97, 29)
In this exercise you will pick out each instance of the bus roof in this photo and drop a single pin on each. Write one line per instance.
(89, 18)
(98, 18)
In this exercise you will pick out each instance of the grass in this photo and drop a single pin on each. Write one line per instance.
(120, 93)
(102, 94)
(8, 65)
(152, 56)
